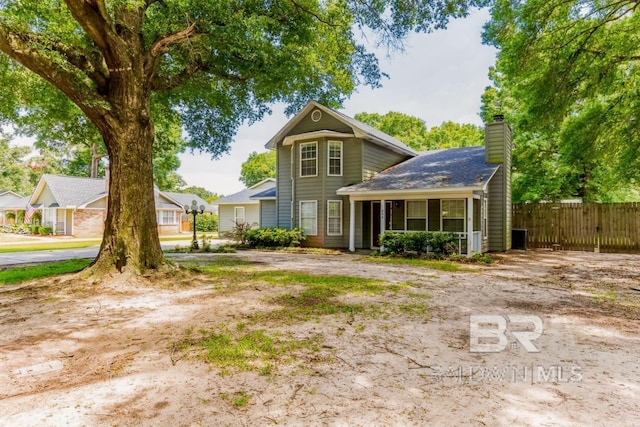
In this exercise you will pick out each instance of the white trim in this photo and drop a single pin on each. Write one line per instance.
(340, 217)
(329, 158)
(160, 215)
(315, 202)
(236, 216)
(352, 225)
(406, 214)
(302, 144)
(469, 213)
(409, 194)
(316, 117)
(291, 139)
(262, 182)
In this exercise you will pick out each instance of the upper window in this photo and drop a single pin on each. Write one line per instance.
(334, 156)
(309, 217)
(334, 218)
(416, 215)
(309, 159)
(453, 218)
(238, 215)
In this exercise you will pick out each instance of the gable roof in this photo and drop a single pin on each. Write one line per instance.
(360, 130)
(12, 200)
(454, 168)
(245, 196)
(70, 191)
(78, 192)
(186, 199)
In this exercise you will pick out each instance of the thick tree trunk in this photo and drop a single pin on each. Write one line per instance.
(130, 242)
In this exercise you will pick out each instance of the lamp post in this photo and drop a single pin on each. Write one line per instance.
(193, 209)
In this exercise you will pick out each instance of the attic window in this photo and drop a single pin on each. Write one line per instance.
(316, 115)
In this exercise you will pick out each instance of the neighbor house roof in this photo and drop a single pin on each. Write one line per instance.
(360, 130)
(245, 196)
(187, 198)
(266, 194)
(11, 200)
(74, 192)
(70, 191)
(454, 168)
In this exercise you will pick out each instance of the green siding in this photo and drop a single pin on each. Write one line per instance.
(327, 122)
(283, 184)
(376, 159)
(320, 188)
(498, 150)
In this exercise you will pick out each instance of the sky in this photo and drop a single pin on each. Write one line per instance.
(439, 77)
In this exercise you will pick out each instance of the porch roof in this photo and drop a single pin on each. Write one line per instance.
(455, 168)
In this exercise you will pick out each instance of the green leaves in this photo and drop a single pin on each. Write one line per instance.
(258, 167)
(567, 75)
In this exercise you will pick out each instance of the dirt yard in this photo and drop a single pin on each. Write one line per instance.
(390, 348)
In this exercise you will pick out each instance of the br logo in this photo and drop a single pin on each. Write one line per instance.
(488, 332)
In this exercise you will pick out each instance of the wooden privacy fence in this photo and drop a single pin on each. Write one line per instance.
(611, 227)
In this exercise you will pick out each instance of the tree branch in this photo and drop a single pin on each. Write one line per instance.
(92, 16)
(18, 47)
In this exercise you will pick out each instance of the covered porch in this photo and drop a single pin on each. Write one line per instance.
(463, 214)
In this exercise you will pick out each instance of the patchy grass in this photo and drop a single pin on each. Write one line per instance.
(22, 274)
(240, 349)
(440, 265)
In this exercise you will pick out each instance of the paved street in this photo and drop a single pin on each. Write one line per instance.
(12, 258)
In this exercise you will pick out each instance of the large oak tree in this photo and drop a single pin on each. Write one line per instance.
(212, 64)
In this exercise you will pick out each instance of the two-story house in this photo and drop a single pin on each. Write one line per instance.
(345, 183)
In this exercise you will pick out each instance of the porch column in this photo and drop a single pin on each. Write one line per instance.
(352, 225)
(469, 226)
(383, 220)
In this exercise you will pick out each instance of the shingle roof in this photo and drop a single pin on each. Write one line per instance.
(77, 191)
(266, 194)
(244, 196)
(456, 167)
(73, 190)
(187, 198)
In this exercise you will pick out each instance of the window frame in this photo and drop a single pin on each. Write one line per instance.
(339, 217)
(329, 158)
(463, 217)
(407, 217)
(236, 216)
(160, 217)
(315, 217)
(315, 159)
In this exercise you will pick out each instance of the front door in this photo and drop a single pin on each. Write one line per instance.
(375, 222)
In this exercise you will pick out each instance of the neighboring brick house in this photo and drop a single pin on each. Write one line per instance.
(77, 206)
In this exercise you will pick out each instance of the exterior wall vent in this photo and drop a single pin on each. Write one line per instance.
(316, 115)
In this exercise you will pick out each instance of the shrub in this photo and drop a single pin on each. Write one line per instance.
(205, 222)
(45, 230)
(239, 232)
(274, 237)
(418, 243)
(34, 229)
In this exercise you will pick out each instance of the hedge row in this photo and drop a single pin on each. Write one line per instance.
(418, 243)
(274, 237)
